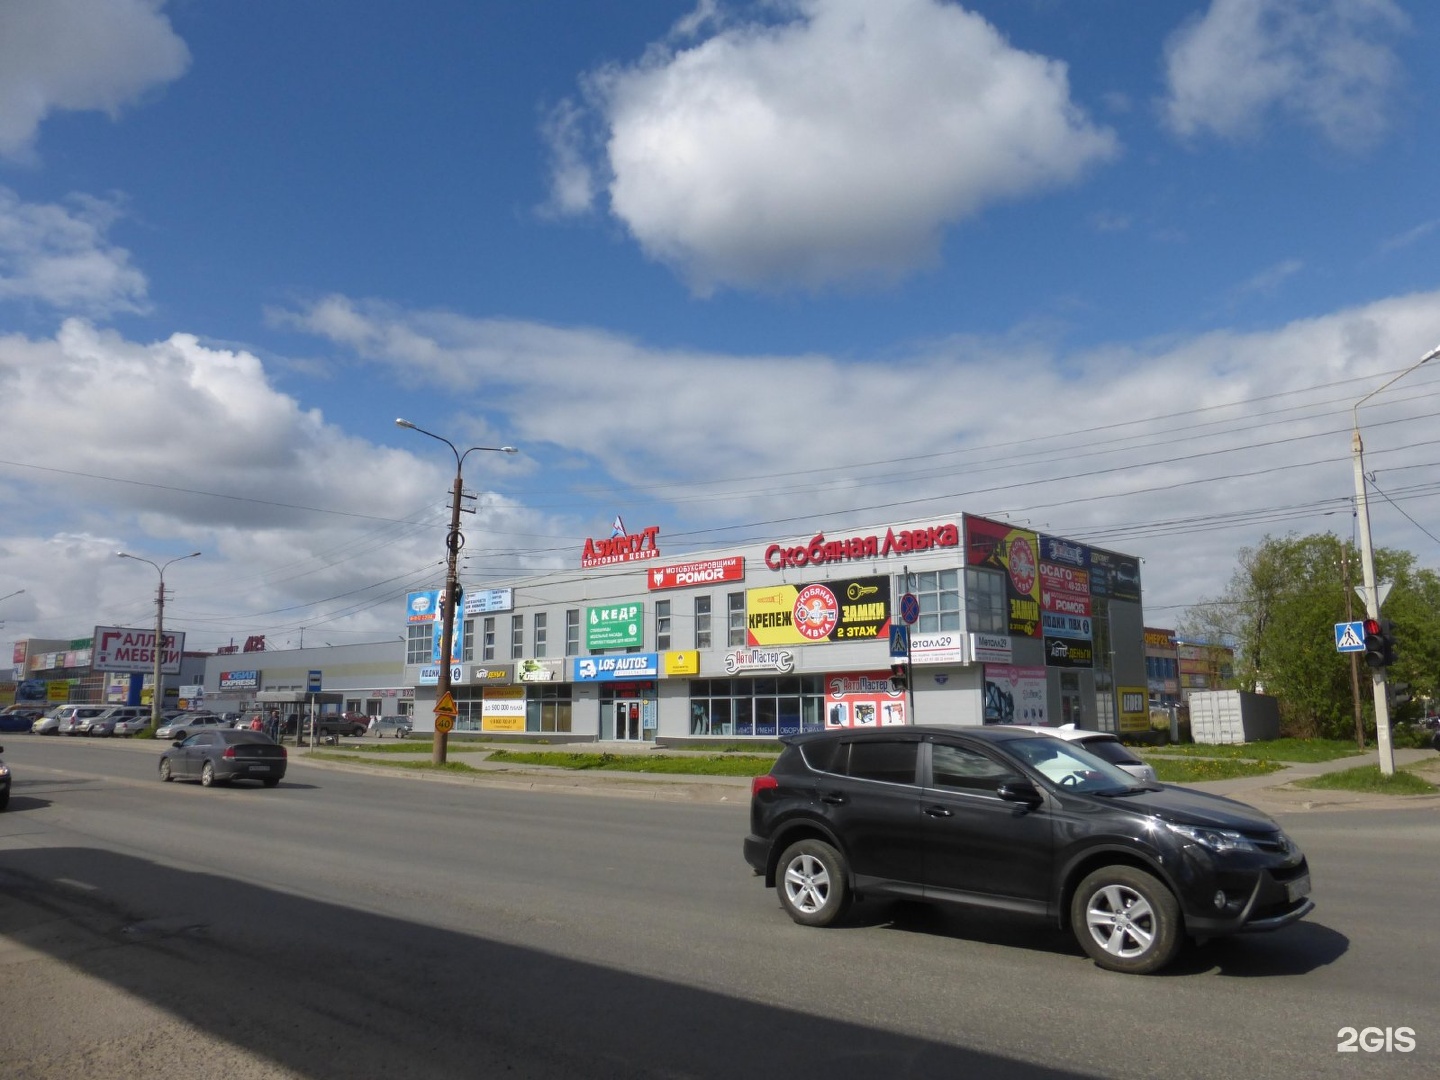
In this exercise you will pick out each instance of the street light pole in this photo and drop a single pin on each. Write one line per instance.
(156, 694)
(454, 541)
(1367, 567)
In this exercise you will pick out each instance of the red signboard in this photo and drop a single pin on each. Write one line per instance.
(707, 572)
(621, 548)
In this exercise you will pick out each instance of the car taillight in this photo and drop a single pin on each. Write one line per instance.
(763, 783)
(229, 752)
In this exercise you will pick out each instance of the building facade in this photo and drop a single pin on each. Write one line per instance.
(956, 620)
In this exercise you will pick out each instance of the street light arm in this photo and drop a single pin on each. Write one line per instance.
(1355, 411)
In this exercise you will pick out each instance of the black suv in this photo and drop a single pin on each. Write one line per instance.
(1017, 820)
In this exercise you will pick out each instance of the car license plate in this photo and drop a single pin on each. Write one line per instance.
(259, 768)
(1294, 890)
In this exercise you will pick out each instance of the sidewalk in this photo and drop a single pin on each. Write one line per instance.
(1274, 792)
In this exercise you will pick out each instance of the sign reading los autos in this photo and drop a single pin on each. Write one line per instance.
(998, 546)
(622, 546)
(118, 648)
(707, 572)
(857, 609)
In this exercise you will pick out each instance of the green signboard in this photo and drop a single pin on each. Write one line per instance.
(616, 626)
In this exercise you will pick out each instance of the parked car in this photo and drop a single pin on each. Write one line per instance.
(1105, 745)
(340, 724)
(49, 724)
(399, 726)
(4, 782)
(218, 755)
(185, 723)
(21, 717)
(1014, 819)
(72, 717)
(98, 723)
(136, 721)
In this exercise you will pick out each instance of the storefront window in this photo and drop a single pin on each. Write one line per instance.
(761, 708)
(547, 708)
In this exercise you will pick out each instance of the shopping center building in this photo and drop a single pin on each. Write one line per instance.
(954, 620)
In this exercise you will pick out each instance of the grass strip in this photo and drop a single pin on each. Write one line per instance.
(1293, 750)
(695, 765)
(1197, 770)
(1368, 779)
(449, 766)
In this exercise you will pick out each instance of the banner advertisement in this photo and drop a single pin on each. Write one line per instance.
(492, 674)
(855, 609)
(58, 690)
(943, 647)
(615, 626)
(1014, 694)
(1058, 550)
(485, 601)
(997, 546)
(682, 662)
(1068, 652)
(423, 606)
(781, 661)
(1134, 708)
(708, 572)
(616, 668)
(862, 699)
(503, 709)
(1066, 626)
(990, 648)
(430, 674)
(533, 670)
(239, 680)
(1114, 575)
(1159, 639)
(118, 648)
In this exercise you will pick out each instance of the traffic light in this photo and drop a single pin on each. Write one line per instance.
(1387, 635)
(1399, 694)
(899, 676)
(1376, 646)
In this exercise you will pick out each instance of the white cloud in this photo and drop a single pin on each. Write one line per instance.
(833, 143)
(79, 55)
(59, 256)
(1328, 64)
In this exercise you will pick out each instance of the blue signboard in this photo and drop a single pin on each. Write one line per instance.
(617, 668)
(1349, 637)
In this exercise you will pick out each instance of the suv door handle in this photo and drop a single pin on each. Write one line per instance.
(834, 798)
(937, 811)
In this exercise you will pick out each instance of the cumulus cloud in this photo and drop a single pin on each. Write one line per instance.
(79, 55)
(1149, 449)
(835, 141)
(174, 446)
(1328, 64)
(58, 255)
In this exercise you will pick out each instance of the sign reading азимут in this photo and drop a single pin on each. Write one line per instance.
(118, 648)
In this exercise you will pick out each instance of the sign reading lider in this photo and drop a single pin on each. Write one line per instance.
(617, 668)
(118, 648)
(820, 551)
(621, 548)
(708, 572)
(616, 626)
(847, 610)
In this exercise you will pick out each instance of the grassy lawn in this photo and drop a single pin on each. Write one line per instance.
(449, 766)
(1274, 750)
(1369, 779)
(709, 765)
(1177, 770)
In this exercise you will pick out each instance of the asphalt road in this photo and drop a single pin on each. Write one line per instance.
(348, 925)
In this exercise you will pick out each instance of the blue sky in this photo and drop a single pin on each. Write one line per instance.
(741, 270)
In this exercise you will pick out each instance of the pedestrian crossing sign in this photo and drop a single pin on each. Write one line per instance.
(1349, 637)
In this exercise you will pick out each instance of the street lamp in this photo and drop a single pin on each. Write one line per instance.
(1367, 566)
(7, 596)
(156, 695)
(454, 541)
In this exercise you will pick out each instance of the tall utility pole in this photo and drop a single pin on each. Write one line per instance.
(157, 694)
(454, 541)
(1367, 567)
(1354, 658)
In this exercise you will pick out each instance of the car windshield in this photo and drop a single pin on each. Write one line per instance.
(1070, 766)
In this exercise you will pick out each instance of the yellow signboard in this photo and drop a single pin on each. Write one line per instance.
(1134, 708)
(503, 709)
(446, 706)
(444, 722)
(682, 663)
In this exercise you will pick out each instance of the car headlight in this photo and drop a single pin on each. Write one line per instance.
(4, 769)
(1216, 840)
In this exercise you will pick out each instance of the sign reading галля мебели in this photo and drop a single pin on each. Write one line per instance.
(119, 648)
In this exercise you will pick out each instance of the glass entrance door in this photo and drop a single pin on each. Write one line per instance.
(627, 720)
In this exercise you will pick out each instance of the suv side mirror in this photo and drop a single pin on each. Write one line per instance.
(1021, 791)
